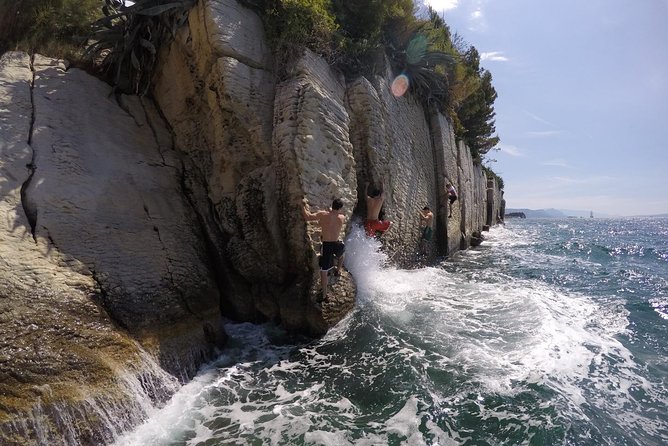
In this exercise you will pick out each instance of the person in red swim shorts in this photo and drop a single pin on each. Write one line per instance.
(374, 201)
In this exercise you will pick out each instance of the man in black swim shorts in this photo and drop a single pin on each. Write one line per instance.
(331, 222)
(328, 251)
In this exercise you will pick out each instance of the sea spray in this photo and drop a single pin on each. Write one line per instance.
(536, 337)
(95, 415)
(365, 260)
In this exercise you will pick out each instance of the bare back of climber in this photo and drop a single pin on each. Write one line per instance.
(331, 222)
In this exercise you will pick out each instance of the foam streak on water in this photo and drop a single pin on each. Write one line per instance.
(546, 334)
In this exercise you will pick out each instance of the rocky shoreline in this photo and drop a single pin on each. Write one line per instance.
(132, 227)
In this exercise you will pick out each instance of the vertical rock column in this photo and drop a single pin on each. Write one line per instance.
(391, 139)
(216, 89)
(314, 161)
(447, 171)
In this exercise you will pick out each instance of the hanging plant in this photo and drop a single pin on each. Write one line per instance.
(125, 42)
(424, 70)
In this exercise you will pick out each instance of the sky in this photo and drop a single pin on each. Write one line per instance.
(582, 107)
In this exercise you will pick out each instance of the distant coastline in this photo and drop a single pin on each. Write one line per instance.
(565, 213)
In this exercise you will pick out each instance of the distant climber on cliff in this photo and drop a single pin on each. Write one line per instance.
(331, 221)
(426, 220)
(374, 201)
(452, 196)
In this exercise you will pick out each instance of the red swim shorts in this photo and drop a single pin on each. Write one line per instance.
(372, 227)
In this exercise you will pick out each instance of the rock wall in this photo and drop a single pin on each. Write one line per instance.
(130, 229)
(496, 204)
(388, 135)
(261, 147)
(103, 285)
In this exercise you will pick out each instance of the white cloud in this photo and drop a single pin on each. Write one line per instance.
(473, 9)
(543, 134)
(587, 180)
(494, 56)
(477, 22)
(557, 163)
(510, 150)
(539, 119)
(442, 5)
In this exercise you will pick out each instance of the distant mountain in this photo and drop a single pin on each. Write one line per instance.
(556, 213)
(655, 215)
(564, 213)
(538, 213)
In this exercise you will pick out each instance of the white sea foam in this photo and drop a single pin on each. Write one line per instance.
(495, 333)
(660, 305)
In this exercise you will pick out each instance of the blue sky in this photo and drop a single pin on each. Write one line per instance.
(582, 111)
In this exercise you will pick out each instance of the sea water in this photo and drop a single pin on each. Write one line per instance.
(552, 332)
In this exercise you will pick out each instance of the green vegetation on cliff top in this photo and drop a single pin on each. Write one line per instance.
(50, 27)
(357, 37)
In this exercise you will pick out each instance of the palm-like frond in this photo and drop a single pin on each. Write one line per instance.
(426, 70)
(125, 41)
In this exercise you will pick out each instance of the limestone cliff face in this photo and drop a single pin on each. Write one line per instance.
(103, 281)
(130, 230)
(261, 147)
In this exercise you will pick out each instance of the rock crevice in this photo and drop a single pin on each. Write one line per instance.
(28, 205)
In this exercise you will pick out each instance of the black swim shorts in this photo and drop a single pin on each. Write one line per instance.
(427, 232)
(329, 250)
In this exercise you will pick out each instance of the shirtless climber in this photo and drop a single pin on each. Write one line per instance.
(331, 221)
(452, 196)
(374, 201)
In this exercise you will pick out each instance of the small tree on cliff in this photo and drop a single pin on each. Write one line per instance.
(476, 113)
(491, 174)
(470, 95)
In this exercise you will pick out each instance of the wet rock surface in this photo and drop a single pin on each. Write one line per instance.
(100, 257)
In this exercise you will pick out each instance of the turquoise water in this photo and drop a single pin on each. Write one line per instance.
(552, 332)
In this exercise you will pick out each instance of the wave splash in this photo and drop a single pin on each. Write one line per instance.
(460, 352)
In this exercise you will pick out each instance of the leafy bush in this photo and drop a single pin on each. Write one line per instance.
(293, 25)
(491, 174)
(348, 34)
(54, 27)
(471, 96)
(476, 115)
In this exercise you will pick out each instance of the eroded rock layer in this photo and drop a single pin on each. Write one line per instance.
(131, 228)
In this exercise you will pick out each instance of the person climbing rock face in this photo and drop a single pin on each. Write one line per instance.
(374, 202)
(331, 221)
(452, 196)
(426, 220)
